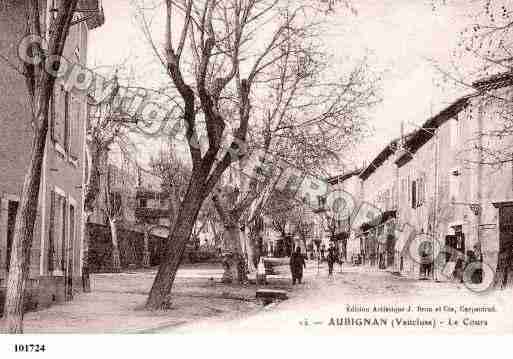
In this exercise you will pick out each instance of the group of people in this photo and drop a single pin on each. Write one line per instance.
(298, 263)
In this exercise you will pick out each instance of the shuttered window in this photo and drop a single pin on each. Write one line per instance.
(57, 232)
(51, 234)
(420, 184)
(59, 114)
(67, 114)
(63, 239)
(74, 149)
(414, 194)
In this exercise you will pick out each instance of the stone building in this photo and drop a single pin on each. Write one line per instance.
(347, 239)
(56, 256)
(444, 183)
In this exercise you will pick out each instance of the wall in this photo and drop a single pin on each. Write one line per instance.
(59, 170)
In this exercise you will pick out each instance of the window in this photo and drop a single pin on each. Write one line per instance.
(71, 239)
(321, 201)
(51, 233)
(421, 190)
(408, 190)
(414, 194)
(74, 127)
(63, 239)
(52, 115)
(67, 113)
(453, 187)
(57, 108)
(57, 232)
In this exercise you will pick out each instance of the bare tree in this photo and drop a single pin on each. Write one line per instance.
(221, 64)
(306, 117)
(40, 84)
(112, 209)
(175, 175)
(483, 63)
(282, 209)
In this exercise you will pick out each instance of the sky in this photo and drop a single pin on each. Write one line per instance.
(401, 39)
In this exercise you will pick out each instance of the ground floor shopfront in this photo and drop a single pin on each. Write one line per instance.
(408, 251)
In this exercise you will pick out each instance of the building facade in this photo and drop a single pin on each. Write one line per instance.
(444, 182)
(56, 261)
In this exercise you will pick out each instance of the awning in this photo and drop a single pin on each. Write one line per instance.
(382, 218)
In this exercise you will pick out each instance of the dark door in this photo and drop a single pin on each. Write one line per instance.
(11, 221)
(451, 242)
(504, 275)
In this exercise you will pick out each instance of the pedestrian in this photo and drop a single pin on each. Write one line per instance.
(323, 249)
(332, 258)
(297, 263)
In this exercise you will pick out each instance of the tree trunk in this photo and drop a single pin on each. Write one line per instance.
(146, 249)
(159, 297)
(234, 261)
(23, 235)
(116, 261)
(249, 239)
(86, 280)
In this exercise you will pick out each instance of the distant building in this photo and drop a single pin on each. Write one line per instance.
(142, 221)
(56, 255)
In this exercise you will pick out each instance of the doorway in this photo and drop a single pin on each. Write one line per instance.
(504, 262)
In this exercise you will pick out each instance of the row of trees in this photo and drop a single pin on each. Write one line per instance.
(244, 90)
(241, 91)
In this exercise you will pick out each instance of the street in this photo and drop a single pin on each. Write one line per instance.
(358, 300)
(313, 304)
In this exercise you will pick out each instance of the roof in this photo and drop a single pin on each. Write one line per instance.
(494, 82)
(344, 176)
(420, 137)
(379, 159)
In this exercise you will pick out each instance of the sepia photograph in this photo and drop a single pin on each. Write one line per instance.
(259, 168)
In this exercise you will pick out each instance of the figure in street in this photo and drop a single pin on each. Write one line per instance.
(332, 258)
(297, 263)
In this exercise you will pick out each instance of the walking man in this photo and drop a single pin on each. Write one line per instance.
(332, 258)
(297, 263)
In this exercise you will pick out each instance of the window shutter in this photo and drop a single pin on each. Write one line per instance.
(419, 191)
(413, 194)
(68, 99)
(51, 234)
(408, 189)
(51, 115)
(58, 123)
(75, 121)
(64, 228)
(423, 188)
